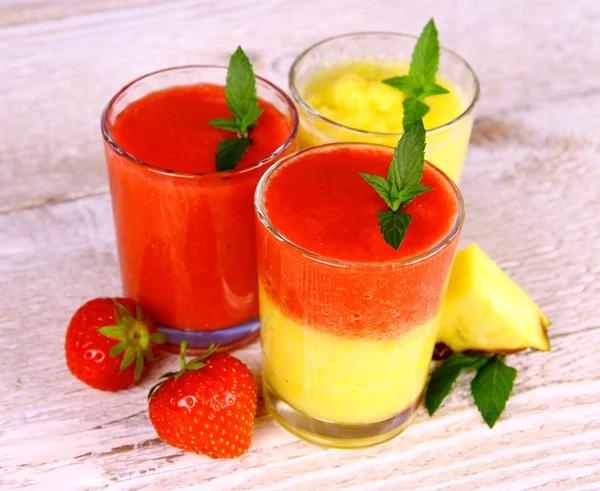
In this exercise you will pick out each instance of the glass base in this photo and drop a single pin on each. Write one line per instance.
(329, 434)
(227, 339)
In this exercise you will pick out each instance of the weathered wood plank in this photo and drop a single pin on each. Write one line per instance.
(539, 225)
(57, 74)
(530, 185)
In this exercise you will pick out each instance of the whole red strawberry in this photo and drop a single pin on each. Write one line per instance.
(106, 344)
(207, 407)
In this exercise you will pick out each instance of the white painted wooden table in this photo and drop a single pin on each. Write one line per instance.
(531, 183)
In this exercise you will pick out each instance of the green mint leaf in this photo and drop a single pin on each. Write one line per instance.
(407, 164)
(380, 185)
(251, 117)
(425, 57)
(407, 194)
(224, 124)
(434, 89)
(240, 91)
(395, 198)
(413, 111)
(492, 387)
(393, 225)
(404, 84)
(230, 151)
(420, 81)
(445, 376)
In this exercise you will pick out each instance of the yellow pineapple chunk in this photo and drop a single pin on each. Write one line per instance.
(485, 310)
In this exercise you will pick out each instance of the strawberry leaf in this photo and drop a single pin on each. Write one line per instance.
(117, 349)
(113, 332)
(158, 338)
(125, 314)
(128, 359)
(195, 364)
(139, 366)
(139, 315)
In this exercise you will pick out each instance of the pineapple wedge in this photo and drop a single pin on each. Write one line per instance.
(485, 310)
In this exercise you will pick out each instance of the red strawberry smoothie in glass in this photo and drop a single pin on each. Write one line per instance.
(348, 323)
(185, 232)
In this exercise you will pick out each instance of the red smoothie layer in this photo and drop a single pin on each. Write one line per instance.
(319, 201)
(169, 129)
(187, 244)
(323, 205)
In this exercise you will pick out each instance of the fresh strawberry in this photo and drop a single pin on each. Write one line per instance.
(207, 407)
(104, 339)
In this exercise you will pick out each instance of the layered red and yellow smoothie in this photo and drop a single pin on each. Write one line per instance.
(348, 323)
(185, 233)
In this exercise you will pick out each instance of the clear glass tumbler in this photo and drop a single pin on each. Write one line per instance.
(186, 241)
(347, 345)
(384, 55)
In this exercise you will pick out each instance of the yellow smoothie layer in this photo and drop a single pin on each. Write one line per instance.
(352, 94)
(343, 380)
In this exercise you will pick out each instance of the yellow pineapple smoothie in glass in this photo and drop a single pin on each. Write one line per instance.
(337, 86)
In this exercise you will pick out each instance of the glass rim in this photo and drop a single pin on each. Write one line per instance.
(261, 212)
(298, 99)
(108, 137)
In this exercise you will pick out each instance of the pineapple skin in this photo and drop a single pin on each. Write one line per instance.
(485, 310)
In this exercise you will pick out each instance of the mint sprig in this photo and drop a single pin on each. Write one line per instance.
(420, 81)
(491, 387)
(402, 185)
(240, 94)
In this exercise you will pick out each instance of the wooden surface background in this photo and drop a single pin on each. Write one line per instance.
(531, 183)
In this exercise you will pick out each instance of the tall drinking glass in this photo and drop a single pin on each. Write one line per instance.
(348, 323)
(337, 86)
(186, 233)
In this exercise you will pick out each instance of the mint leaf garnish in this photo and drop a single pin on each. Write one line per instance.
(382, 186)
(402, 185)
(420, 81)
(409, 157)
(240, 94)
(425, 57)
(434, 89)
(445, 376)
(224, 124)
(411, 192)
(404, 84)
(393, 225)
(240, 91)
(413, 111)
(492, 387)
(230, 152)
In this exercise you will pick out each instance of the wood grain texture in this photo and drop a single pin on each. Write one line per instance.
(530, 185)
(57, 75)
